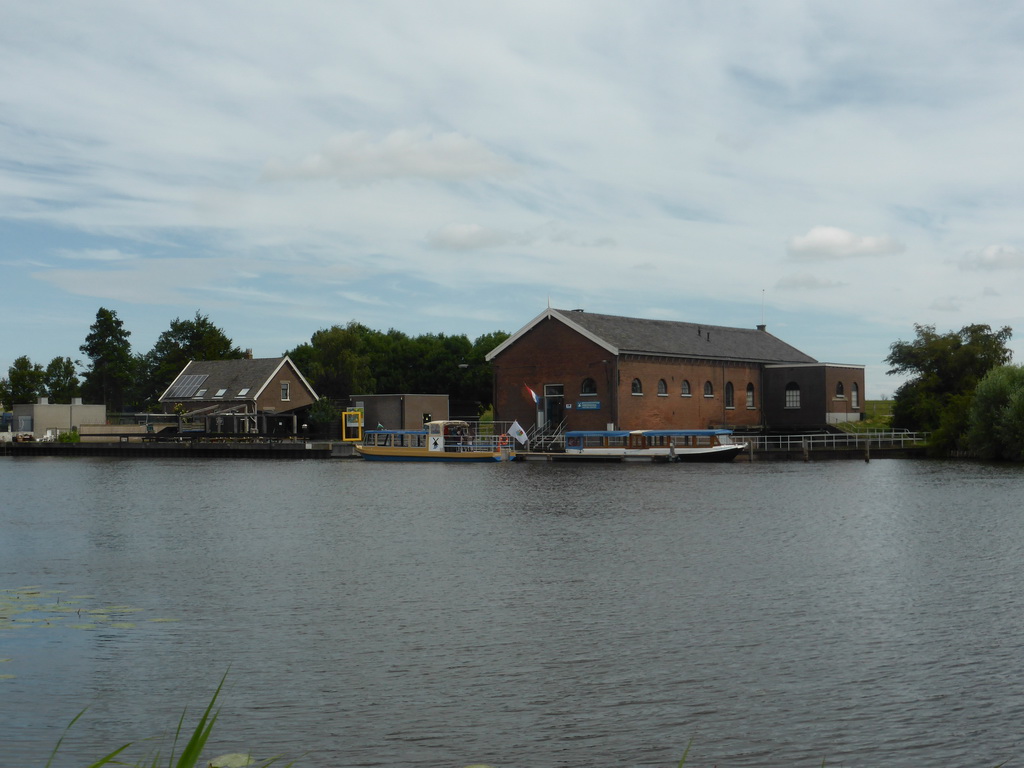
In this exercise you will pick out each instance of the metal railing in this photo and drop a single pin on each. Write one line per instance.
(838, 441)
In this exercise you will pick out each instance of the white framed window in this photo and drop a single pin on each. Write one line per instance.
(792, 395)
(854, 395)
(286, 390)
(686, 389)
(750, 396)
(662, 388)
(636, 387)
(709, 389)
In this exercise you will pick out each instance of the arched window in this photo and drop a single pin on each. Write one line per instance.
(750, 396)
(637, 388)
(730, 395)
(839, 389)
(792, 395)
(589, 387)
(709, 390)
(855, 395)
(686, 388)
(662, 387)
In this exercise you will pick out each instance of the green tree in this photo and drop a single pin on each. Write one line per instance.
(185, 340)
(110, 377)
(344, 360)
(335, 361)
(61, 380)
(323, 414)
(996, 423)
(24, 382)
(944, 370)
(479, 373)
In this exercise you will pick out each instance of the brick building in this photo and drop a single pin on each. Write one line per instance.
(593, 371)
(263, 395)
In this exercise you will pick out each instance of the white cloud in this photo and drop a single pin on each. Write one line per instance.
(994, 257)
(806, 283)
(96, 254)
(946, 304)
(359, 157)
(830, 243)
(464, 237)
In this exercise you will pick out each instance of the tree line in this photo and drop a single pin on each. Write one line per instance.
(962, 389)
(338, 362)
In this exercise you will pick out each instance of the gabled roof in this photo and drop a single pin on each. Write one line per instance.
(233, 376)
(636, 335)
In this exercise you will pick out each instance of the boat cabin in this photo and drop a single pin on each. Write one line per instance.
(442, 436)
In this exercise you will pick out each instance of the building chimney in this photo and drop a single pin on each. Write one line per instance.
(248, 354)
(76, 401)
(44, 400)
(762, 327)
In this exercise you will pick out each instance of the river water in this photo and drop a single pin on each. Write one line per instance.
(519, 615)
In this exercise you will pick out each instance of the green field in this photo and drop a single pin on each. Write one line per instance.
(879, 416)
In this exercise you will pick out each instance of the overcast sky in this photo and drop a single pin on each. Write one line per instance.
(839, 171)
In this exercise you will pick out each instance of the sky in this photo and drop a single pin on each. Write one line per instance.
(837, 171)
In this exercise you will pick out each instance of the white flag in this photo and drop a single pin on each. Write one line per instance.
(517, 432)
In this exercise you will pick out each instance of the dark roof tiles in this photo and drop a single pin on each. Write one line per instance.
(637, 335)
(230, 375)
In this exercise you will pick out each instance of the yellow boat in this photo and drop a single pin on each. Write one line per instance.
(439, 441)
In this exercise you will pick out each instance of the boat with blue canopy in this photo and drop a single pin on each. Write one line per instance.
(651, 445)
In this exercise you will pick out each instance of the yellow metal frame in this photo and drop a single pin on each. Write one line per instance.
(352, 426)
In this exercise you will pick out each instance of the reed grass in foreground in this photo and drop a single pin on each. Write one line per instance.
(190, 753)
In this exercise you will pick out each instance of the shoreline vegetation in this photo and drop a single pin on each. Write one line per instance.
(191, 752)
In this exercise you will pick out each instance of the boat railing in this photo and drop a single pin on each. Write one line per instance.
(834, 441)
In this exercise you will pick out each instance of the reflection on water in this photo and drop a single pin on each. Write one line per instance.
(521, 615)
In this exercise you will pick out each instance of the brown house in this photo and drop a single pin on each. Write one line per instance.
(586, 371)
(260, 395)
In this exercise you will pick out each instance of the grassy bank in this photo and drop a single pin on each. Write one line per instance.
(879, 417)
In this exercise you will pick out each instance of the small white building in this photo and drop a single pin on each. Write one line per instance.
(45, 420)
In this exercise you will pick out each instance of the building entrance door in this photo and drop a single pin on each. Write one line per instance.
(554, 405)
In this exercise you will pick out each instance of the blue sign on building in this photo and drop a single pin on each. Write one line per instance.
(588, 405)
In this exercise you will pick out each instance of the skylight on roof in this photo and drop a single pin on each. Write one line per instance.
(220, 392)
(243, 391)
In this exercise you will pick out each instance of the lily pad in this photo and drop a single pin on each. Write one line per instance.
(233, 760)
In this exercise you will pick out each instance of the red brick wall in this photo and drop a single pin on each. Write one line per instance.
(835, 374)
(696, 411)
(551, 353)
